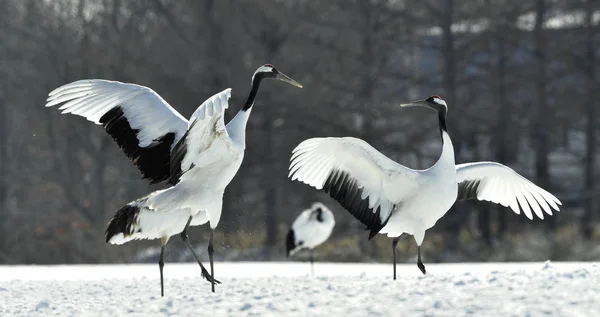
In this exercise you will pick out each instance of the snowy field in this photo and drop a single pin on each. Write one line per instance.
(286, 289)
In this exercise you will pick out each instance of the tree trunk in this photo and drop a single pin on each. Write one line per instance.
(271, 191)
(504, 111)
(3, 172)
(540, 113)
(273, 43)
(591, 124)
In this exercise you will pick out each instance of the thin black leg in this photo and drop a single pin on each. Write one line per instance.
(184, 237)
(312, 264)
(161, 264)
(394, 244)
(419, 262)
(211, 251)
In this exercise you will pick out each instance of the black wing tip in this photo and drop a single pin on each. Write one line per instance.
(376, 229)
(177, 155)
(468, 189)
(121, 222)
(153, 180)
(290, 242)
(342, 187)
(152, 161)
(373, 233)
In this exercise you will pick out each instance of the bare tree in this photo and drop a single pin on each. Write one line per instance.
(541, 110)
(3, 171)
(591, 125)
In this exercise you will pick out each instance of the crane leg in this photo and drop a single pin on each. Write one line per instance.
(211, 251)
(312, 264)
(184, 237)
(161, 264)
(394, 244)
(419, 262)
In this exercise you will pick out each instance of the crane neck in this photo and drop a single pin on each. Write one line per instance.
(236, 128)
(253, 92)
(447, 157)
(442, 121)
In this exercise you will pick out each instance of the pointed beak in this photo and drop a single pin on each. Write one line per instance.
(283, 77)
(418, 103)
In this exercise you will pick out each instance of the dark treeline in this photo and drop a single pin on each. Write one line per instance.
(519, 77)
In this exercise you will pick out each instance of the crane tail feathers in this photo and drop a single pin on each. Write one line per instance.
(123, 225)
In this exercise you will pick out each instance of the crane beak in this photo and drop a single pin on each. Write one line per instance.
(281, 76)
(418, 103)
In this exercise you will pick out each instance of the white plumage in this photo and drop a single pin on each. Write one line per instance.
(392, 199)
(149, 223)
(502, 185)
(314, 159)
(198, 158)
(311, 228)
(144, 109)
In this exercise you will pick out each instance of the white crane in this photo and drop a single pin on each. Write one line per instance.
(198, 158)
(311, 228)
(392, 199)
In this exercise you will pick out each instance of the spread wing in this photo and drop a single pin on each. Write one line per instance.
(205, 127)
(360, 178)
(143, 124)
(499, 184)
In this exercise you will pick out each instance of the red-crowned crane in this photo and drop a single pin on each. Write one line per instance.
(392, 199)
(198, 158)
(311, 228)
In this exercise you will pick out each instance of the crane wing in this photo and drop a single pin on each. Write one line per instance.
(360, 178)
(206, 125)
(143, 124)
(500, 184)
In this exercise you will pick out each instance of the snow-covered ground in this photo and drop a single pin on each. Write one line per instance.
(286, 289)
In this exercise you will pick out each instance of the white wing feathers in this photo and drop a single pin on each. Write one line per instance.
(499, 184)
(213, 105)
(144, 109)
(345, 167)
(206, 125)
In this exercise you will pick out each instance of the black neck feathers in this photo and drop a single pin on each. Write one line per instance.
(253, 91)
(442, 120)
(319, 215)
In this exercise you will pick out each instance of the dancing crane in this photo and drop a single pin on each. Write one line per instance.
(198, 158)
(391, 199)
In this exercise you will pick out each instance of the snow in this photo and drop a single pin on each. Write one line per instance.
(286, 289)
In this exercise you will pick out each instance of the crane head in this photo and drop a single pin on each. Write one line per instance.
(434, 102)
(318, 210)
(269, 71)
